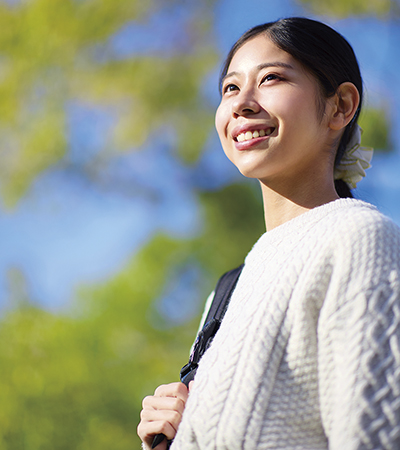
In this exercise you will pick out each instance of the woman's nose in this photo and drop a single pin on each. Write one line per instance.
(245, 103)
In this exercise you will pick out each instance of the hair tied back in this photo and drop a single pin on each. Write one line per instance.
(355, 160)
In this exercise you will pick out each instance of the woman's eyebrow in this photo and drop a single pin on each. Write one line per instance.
(275, 64)
(261, 67)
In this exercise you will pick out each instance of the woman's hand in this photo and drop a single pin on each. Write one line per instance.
(162, 413)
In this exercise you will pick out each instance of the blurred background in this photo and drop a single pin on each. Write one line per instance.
(118, 209)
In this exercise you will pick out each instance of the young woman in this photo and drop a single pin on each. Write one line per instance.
(308, 353)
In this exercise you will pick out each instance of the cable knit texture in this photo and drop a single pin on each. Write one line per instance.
(308, 354)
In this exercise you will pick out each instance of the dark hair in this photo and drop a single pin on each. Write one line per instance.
(323, 52)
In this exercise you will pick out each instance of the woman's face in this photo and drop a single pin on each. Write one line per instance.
(269, 120)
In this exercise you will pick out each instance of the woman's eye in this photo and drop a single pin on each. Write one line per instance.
(230, 88)
(271, 77)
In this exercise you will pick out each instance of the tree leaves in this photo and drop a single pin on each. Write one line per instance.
(375, 125)
(345, 8)
(57, 51)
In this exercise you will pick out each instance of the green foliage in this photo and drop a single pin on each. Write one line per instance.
(55, 51)
(345, 8)
(151, 92)
(234, 221)
(76, 381)
(375, 127)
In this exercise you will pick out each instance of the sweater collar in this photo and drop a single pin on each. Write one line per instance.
(309, 218)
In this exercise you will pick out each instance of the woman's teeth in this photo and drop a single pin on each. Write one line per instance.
(253, 134)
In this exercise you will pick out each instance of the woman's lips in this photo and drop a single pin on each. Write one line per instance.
(248, 139)
(249, 135)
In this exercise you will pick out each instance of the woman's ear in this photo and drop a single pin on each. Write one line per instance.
(346, 101)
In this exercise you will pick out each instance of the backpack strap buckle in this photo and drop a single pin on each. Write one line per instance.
(203, 341)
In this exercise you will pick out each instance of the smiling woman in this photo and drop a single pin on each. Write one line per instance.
(267, 91)
(307, 355)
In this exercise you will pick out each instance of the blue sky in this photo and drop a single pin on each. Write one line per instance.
(65, 232)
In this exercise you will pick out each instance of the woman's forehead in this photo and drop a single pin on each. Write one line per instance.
(260, 50)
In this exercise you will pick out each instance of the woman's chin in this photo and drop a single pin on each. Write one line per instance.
(249, 174)
(250, 171)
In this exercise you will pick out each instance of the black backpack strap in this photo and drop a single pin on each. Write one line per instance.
(223, 292)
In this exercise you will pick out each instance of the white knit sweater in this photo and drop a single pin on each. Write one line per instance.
(308, 354)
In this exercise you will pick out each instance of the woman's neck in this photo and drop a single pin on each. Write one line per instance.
(281, 205)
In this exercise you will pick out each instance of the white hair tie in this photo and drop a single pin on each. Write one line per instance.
(355, 160)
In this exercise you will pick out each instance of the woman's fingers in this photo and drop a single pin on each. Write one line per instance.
(178, 390)
(162, 413)
(163, 403)
(148, 429)
(171, 419)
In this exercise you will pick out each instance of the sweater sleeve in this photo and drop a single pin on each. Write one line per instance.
(359, 341)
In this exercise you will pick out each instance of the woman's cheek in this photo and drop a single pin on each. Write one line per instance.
(220, 121)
